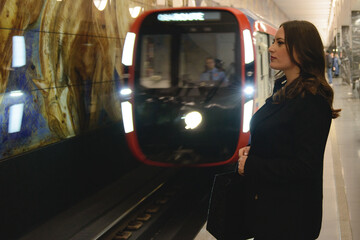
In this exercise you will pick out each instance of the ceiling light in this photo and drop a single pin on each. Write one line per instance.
(100, 4)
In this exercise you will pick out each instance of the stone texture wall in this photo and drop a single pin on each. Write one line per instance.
(346, 54)
(355, 38)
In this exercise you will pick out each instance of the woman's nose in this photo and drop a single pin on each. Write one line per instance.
(270, 49)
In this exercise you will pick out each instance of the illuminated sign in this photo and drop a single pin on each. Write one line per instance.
(188, 16)
(169, 17)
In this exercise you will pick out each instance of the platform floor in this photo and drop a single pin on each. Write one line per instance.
(341, 209)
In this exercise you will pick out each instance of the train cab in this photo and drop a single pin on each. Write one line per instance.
(191, 84)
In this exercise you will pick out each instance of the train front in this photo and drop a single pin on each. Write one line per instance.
(191, 81)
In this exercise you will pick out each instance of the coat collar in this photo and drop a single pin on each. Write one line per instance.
(265, 112)
(269, 108)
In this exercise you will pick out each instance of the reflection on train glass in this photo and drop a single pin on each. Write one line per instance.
(19, 52)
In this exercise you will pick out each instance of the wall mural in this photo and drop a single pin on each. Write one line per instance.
(60, 69)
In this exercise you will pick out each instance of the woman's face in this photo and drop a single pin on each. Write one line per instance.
(280, 58)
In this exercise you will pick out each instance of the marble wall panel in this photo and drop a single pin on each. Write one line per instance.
(15, 18)
(70, 81)
(355, 26)
(345, 72)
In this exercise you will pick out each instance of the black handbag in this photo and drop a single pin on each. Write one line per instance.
(231, 210)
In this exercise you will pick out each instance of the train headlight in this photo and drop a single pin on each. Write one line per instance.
(192, 120)
(249, 90)
(128, 50)
(125, 91)
(126, 110)
(248, 110)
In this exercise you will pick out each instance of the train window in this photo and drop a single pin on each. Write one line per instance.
(187, 50)
(206, 58)
(263, 83)
(155, 64)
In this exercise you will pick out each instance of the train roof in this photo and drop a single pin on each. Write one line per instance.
(257, 22)
(254, 18)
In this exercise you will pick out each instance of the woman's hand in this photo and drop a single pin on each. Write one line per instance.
(243, 154)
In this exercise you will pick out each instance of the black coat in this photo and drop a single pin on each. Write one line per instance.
(285, 167)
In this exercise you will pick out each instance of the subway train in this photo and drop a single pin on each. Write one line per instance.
(194, 78)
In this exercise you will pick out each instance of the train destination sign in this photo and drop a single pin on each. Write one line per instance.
(188, 16)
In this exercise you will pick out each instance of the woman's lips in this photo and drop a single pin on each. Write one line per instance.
(272, 58)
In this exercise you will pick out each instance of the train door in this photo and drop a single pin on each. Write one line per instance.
(264, 83)
(272, 72)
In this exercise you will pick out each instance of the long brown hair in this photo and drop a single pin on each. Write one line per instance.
(302, 38)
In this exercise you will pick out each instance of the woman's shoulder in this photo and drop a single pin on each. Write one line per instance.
(314, 102)
(314, 98)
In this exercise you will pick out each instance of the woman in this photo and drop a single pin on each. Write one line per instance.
(284, 162)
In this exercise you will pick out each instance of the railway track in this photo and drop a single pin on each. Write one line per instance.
(148, 203)
(176, 210)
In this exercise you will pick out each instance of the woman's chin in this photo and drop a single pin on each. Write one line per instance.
(273, 66)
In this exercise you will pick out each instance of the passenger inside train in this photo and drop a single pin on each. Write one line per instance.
(213, 72)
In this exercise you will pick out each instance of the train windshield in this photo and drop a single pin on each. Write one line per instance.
(188, 63)
(187, 53)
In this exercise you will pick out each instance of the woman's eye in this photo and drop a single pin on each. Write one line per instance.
(278, 42)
